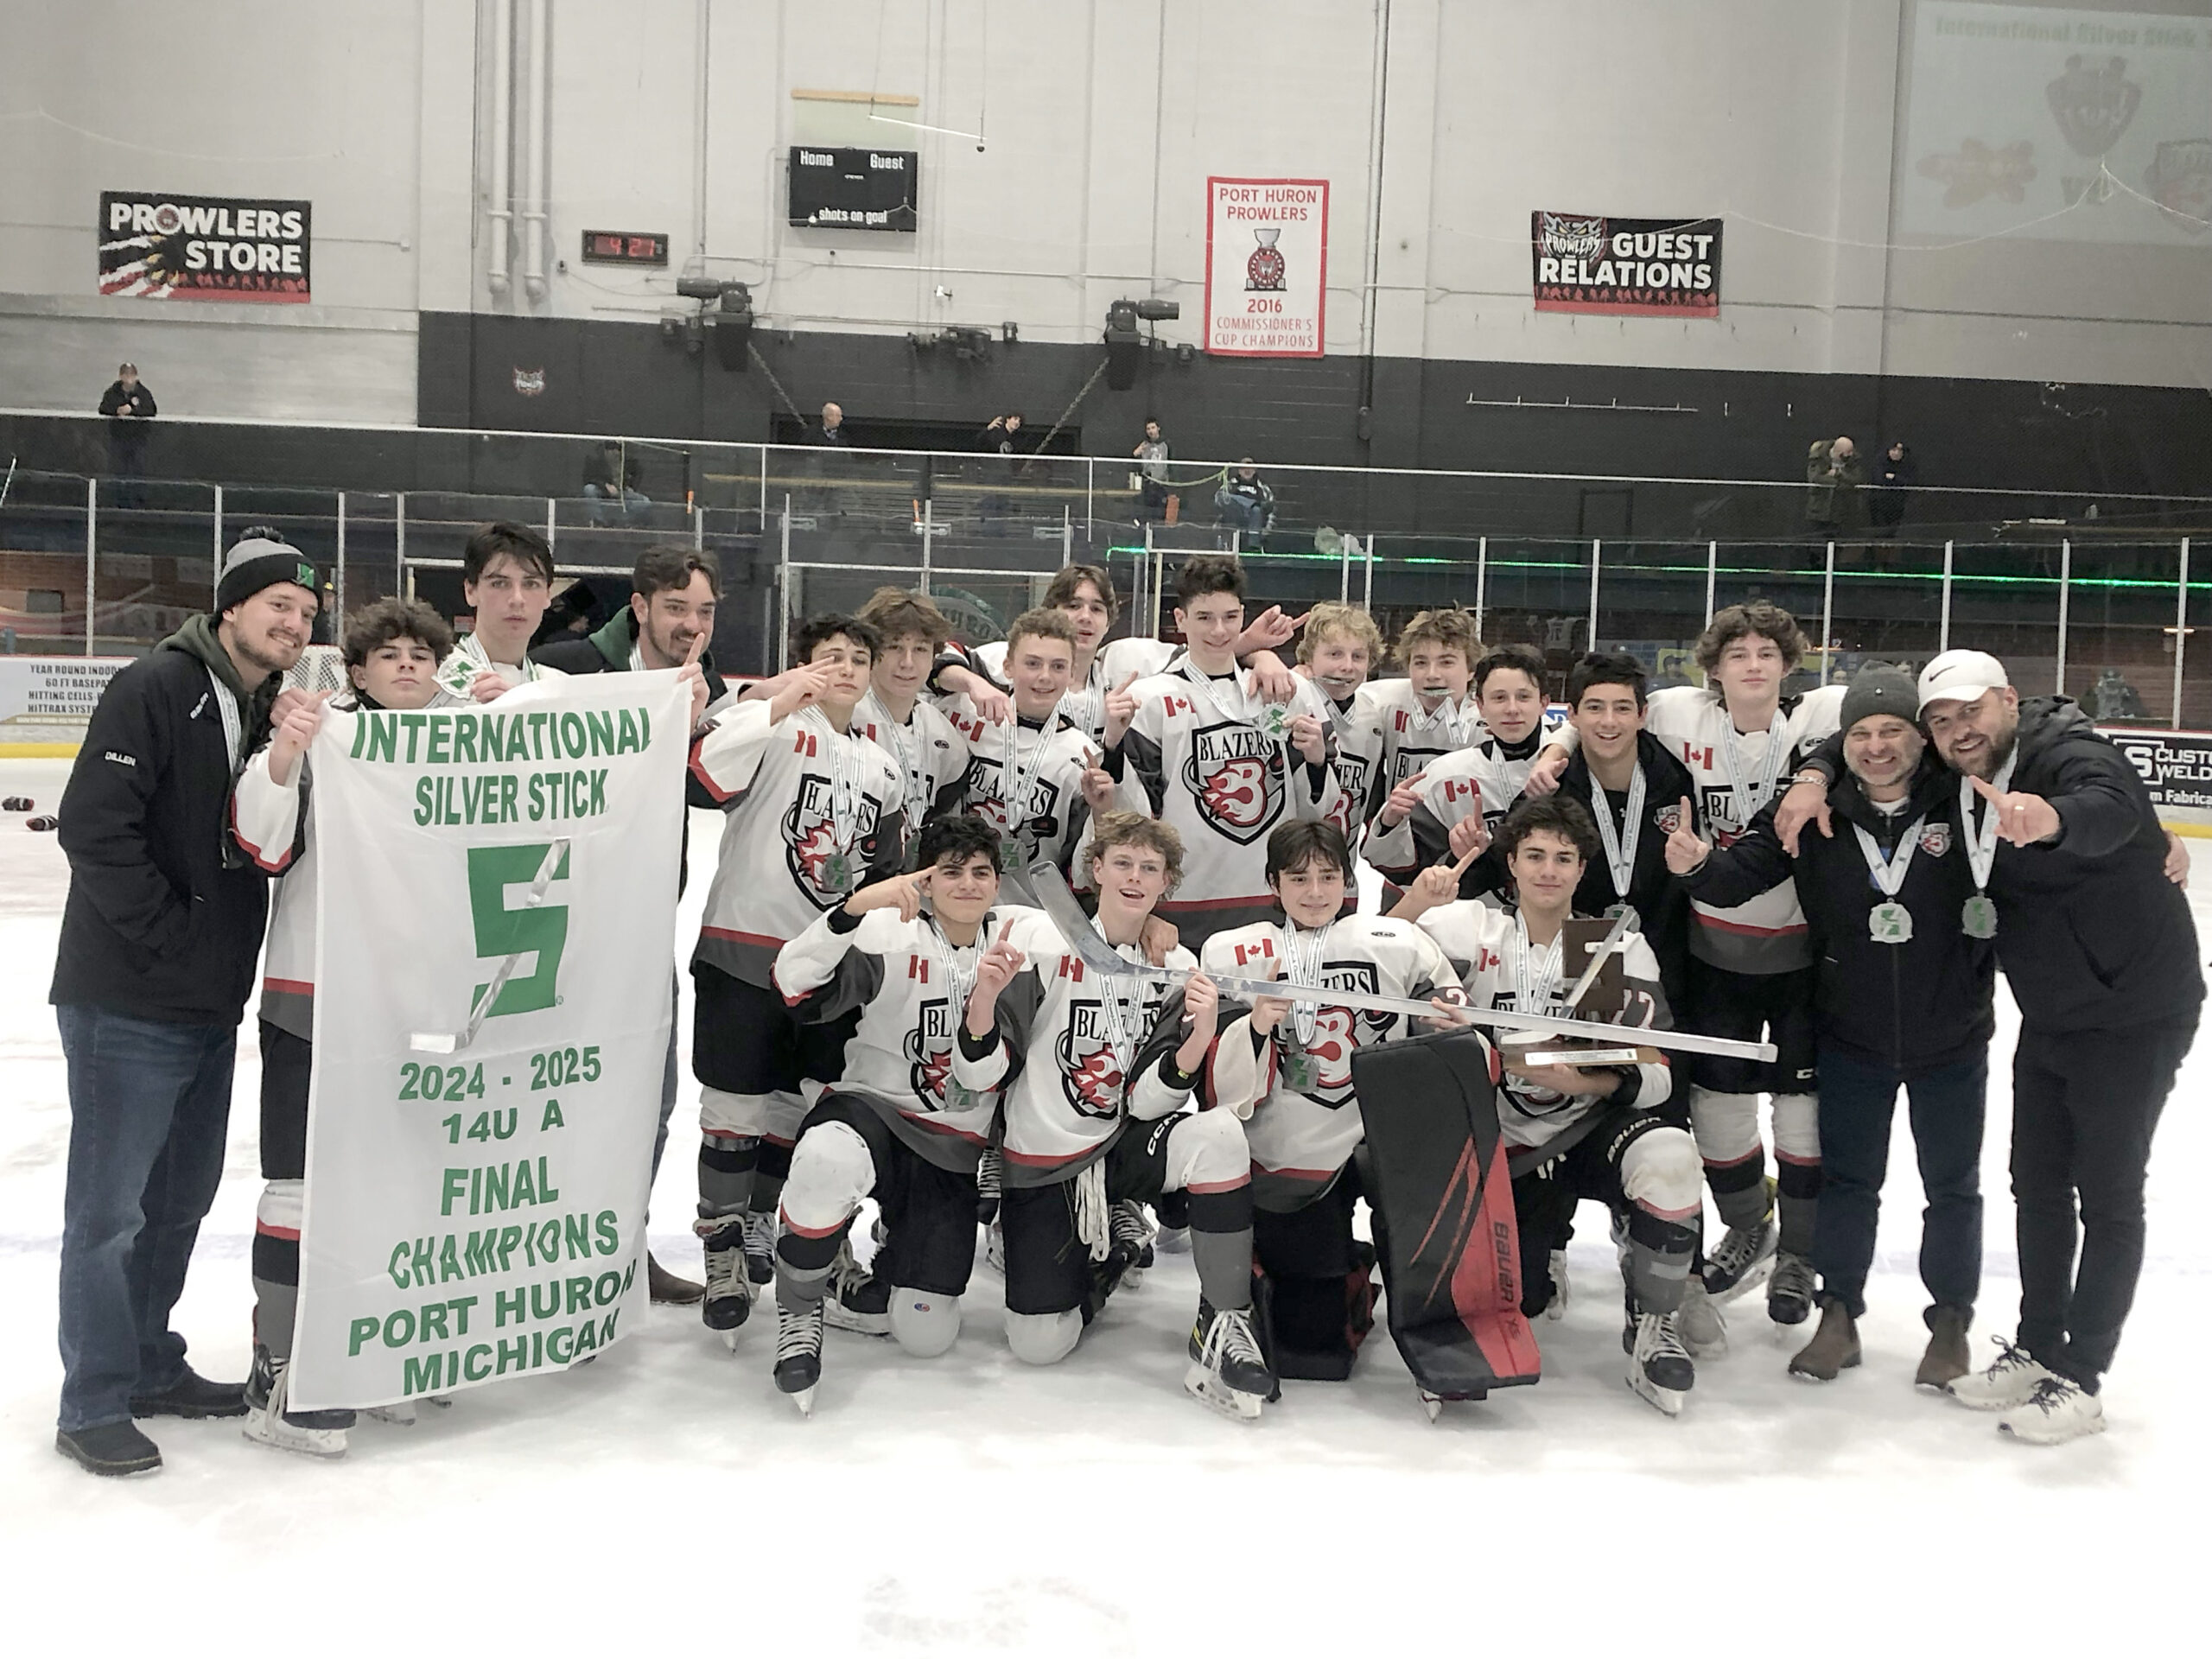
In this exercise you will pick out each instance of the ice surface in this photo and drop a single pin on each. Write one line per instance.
(972, 1505)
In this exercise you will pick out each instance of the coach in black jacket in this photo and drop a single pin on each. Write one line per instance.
(1898, 1003)
(2101, 954)
(159, 938)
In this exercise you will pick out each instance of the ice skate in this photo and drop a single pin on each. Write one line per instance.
(1227, 1371)
(1556, 1308)
(1129, 1232)
(1698, 1322)
(313, 1433)
(760, 1246)
(1659, 1367)
(729, 1297)
(2059, 1410)
(855, 1298)
(1789, 1292)
(1741, 1260)
(798, 1354)
(2010, 1381)
(1835, 1348)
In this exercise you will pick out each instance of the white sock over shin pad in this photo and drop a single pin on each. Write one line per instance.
(1728, 1125)
(1043, 1338)
(1797, 1127)
(831, 1171)
(925, 1324)
(723, 1113)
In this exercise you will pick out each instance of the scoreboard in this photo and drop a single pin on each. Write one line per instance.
(853, 189)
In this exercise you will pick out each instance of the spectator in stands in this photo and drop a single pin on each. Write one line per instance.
(1152, 486)
(833, 427)
(1245, 502)
(159, 938)
(129, 406)
(1832, 472)
(612, 475)
(1895, 471)
(1003, 436)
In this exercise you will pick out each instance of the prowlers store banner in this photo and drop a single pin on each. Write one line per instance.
(1627, 267)
(157, 247)
(476, 1199)
(1267, 266)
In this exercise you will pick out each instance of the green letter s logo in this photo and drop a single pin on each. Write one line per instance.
(504, 930)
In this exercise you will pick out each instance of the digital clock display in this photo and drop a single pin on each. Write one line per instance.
(625, 248)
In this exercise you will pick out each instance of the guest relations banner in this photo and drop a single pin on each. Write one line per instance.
(1626, 267)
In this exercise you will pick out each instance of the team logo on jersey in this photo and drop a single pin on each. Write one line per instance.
(985, 787)
(1936, 839)
(1719, 803)
(929, 1061)
(1091, 1076)
(1321, 1070)
(824, 874)
(1669, 818)
(1235, 773)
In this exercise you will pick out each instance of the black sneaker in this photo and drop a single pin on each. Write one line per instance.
(192, 1396)
(111, 1448)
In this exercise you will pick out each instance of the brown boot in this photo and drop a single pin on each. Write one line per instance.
(1834, 1346)
(1946, 1360)
(666, 1289)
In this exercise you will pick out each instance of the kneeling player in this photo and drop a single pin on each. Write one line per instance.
(911, 1111)
(1287, 1066)
(391, 650)
(1573, 1132)
(1096, 1119)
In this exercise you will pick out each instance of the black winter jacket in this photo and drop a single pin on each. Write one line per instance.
(1661, 905)
(1912, 1007)
(2091, 935)
(164, 916)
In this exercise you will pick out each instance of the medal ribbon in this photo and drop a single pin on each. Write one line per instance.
(1017, 781)
(1535, 974)
(1747, 801)
(1620, 850)
(1981, 844)
(1301, 966)
(1889, 873)
(1115, 1015)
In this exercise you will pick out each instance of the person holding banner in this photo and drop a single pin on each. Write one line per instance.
(507, 579)
(1610, 1132)
(814, 811)
(911, 1108)
(159, 937)
(391, 650)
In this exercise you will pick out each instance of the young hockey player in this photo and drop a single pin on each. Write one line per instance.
(894, 715)
(908, 1114)
(974, 677)
(1032, 777)
(1575, 1132)
(1432, 712)
(391, 649)
(815, 811)
(506, 581)
(1286, 1068)
(1201, 751)
(1089, 1124)
(1751, 969)
(1338, 648)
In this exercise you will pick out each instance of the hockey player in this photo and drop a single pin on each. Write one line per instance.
(1576, 1132)
(1431, 713)
(894, 715)
(1090, 1124)
(391, 650)
(1034, 778)
(908, 1114)
(506, 580)
(1338, 647)
(1286, 1068)
(1751, 969)
(976, 676)
(815, 811)
(1204, 753)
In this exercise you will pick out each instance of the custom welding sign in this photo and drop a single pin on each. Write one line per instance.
(162, 247)
(1267, 266)
(1626, 267)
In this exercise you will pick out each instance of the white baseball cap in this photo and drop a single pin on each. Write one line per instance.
(1960, 677)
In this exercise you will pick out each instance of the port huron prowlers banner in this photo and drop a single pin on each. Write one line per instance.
(1626, 267)
(494, 918)
(164, 247)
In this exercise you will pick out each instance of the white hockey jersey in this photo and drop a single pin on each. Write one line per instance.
(1766, 935)
(1487, 778)
(1198, 757)
(812, 816)
(931, 752)
(911, 984)
(1044, 762)
(1355, 731)
(1084, 706)
(1304, 1122)
(1415, 739)
(1491, 954)
(468, 660)
(1079, 1079)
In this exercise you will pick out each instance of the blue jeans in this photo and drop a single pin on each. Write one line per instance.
(1946, 1105)
(149, 1104)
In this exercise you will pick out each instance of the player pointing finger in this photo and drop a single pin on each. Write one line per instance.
(1685, 849)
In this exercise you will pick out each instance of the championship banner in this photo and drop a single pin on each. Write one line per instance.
(1267, 266)
(161, 247)
(494, 922)
(1626, 267)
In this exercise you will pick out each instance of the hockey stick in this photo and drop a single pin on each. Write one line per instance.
(448, 1042)
(1067, 915)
